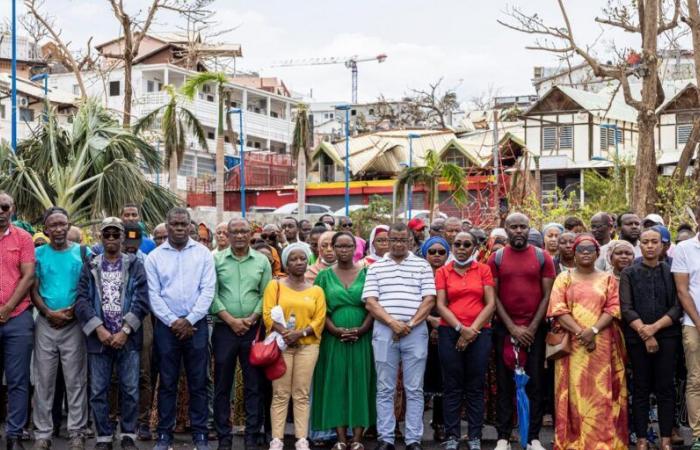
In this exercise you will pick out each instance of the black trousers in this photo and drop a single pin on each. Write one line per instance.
(229, 347)
(653, 373)
(505, 401)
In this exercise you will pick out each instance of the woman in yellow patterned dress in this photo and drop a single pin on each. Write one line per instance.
(590, 388)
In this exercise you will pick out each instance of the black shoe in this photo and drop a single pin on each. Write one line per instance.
(250, 443)
(103, 446)
(381, 445)
(225, 443)
(143, 433)
(128, 444)
(414, 446)
(14, 443)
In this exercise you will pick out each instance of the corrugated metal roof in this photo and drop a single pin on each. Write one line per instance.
(385, 151)
(601, 105)
(31, 89)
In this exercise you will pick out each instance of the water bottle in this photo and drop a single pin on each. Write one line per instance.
(292, 322)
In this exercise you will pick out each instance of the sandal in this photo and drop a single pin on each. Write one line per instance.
(339, 446)
(357, 446)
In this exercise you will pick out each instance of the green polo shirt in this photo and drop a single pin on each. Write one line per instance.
(240, 283)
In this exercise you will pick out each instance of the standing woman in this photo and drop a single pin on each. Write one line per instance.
(378, 244)
(344, 381)
(306, 304)
(590, 387)
(466, 302)
(326, 256)
(652, 315)
(565, 259)
(620, 256)
(435, 250)
(551, 233)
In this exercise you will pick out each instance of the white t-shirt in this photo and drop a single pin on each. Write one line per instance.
(686, 259)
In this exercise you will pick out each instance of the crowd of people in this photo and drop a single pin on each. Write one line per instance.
(601, 321)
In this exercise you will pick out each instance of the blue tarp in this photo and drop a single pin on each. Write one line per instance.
(231, 161)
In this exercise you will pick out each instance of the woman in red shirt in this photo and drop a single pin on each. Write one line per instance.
(465, 301)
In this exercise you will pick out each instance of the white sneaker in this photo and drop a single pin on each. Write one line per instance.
(276, 444)
(302, 444)
(502, 444)
(535, 445)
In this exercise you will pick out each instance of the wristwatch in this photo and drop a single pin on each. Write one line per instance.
(126, 329)
(303, 333)
(458, 328)
(595, 330)
(410, 324)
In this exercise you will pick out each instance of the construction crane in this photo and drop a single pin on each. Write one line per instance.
(350, 62)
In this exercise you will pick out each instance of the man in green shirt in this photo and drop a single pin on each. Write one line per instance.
(242, 275)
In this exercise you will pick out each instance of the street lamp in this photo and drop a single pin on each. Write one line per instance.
(239, 111)
(346, 108)
(14, 75)
(44, 76)
(411, 136)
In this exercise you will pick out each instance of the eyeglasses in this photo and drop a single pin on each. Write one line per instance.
(462, 244)
(111, 235)
(398, 240)
(437, 251)
(5, 207)
(346, 225)
(590, 248)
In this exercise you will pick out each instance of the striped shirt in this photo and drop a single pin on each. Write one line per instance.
(400, 288)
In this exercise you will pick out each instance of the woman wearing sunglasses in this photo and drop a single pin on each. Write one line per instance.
(435, 250)
(466, 301)
(590, 387)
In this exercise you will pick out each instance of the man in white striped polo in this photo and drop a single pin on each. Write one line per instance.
(399, 293)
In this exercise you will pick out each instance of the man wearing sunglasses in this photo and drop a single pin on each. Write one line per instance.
(111, 305)
(58, 337)
(524, 275)
(17, 262)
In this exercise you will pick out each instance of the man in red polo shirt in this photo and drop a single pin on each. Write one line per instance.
(16, 322)
(524, 275)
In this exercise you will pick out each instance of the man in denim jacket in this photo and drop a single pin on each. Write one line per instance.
(112, 301)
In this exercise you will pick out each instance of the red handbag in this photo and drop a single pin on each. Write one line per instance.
(262, 354)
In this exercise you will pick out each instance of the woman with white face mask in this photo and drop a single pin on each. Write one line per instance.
(466, 302)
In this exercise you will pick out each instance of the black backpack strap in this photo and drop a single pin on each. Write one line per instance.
(539, 253)
(499, 258)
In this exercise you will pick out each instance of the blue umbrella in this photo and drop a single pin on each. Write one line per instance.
(522, 402)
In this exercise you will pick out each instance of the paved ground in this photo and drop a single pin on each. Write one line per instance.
(182, 441)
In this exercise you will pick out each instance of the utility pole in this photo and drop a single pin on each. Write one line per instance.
(496, 160)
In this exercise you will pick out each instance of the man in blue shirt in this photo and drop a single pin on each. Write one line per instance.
(58, 338)
(181, 282)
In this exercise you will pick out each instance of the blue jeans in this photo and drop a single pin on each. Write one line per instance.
(411, 352)
(127, 368)
(17, 341)
(194, 353)
(463, 375)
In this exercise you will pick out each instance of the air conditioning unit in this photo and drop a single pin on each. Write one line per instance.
(23, 101)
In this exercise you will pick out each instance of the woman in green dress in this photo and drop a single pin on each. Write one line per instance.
(344, 380)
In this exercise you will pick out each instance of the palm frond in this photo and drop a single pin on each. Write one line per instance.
(192, 85)
(148, 120)
(193, 125)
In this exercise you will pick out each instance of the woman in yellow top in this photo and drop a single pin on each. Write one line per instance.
(304, 307)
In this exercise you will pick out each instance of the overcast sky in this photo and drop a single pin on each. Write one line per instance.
(458, 40)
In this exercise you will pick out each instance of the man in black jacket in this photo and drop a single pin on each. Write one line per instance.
(111, 303)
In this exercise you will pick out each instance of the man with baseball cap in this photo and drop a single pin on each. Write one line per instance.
(111, 304)
(652, 220)
(417, 227)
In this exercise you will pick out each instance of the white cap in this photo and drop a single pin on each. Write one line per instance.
(657, 219)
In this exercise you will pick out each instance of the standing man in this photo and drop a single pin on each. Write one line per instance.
(399, 293)
(290, 228)
(111, 304)
(314, 236)
(524, 275)
(686, 273)
(304, 229)
(160, 234)
(630, 227)
(601, 227)
(58, 336)
(17, 264)
(242, 275)
(221, 237)
(453, 226)
(181, 282)
(328, 220)
(131, 214)
(437, 228)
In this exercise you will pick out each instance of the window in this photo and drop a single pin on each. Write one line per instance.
(274, 114)
(558, 137)
(205, 166)
(549, 186)
(114, 88)
(76, 89)
(187, 167)
(371, 111)
(353, 112)
(150, 86)
(210, 135)
(26, 115)
(314, 209)
(2, 111)
(607, 137)
(455, 157)
(684, 125)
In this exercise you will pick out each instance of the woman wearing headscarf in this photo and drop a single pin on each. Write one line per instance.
(551, 233)
(652, 330)
(304, 308)
(436, 250)
(326, 256)
(378, 244)
(620, 256)
(466, 302)
(590, 386)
